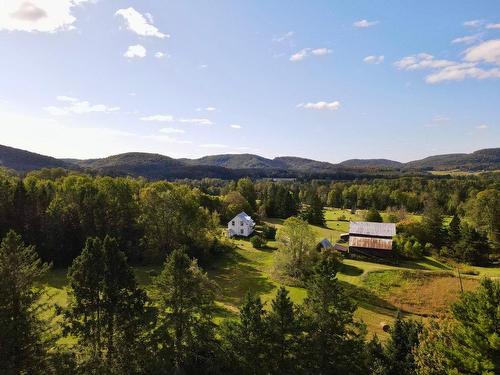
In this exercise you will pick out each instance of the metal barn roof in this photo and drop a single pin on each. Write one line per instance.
(372, 229)
(370, 243)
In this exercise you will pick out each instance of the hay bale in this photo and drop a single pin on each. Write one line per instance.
(385, 326)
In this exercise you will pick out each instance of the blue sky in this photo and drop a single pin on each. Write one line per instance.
(327, 80)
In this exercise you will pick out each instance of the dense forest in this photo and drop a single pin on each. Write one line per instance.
(100, 227)
(57, 210)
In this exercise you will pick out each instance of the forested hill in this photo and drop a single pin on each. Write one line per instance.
(486, 159)
(230, 166)
(24, 161)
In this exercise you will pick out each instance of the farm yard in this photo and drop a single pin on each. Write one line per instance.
(419, 289)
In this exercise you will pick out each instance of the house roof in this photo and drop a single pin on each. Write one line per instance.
(370, 243)
(243, 216)
(325, 244)
(372, 229)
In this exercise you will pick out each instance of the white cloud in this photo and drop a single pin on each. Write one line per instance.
(138, 24)
(208, 109)
(214, 145)
(51, 136)
(64, 98)
(300, 55)
(461, 71)
(158, 118)
(235, 126)
(488, 51)
(306, 52)
(437, 121)
(172, 131)
(332, 106)
(197, 121)
(161, 55)
(474, 64)
(38, 15)
(473, 23)
(421, 61)
(76, 106)
(283, 37)
(135, 51)
(482, 127)
(363, 24)
(468, 39)
(374, 59)
(493, 26)
(321, 51)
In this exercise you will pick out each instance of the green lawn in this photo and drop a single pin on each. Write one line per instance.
(248, 269)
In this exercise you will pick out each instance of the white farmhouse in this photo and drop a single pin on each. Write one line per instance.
(241, 225)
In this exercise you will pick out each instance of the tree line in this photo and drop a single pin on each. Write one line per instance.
(57, 210)
(115, 327)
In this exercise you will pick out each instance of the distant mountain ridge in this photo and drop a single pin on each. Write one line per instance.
(156, 166)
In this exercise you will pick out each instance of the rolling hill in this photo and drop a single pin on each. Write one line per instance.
(230, 166)
(25, 161)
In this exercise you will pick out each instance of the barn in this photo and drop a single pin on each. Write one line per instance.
(372, 239)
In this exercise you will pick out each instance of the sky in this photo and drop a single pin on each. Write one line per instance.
(326, 80)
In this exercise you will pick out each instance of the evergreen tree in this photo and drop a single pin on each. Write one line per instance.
(285, 330)
(246, 188)
(24, 337)
(432, 225)
(245, 341)
(454, 230)
(373, 216)
(475, 345)
(469, 343)
(473, 247)
(333, 337)
(314, 213)
(399, 349)
(185, 334)
(376, 360)
(107, 309)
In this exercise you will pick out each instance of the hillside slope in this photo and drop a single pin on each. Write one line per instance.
(25, 161)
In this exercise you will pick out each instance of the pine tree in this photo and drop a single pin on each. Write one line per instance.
(376, 360)
(285, 331)
(106, 310)
(334, 338)
(475, 347)
(246, 341)
(373, 216)
(314, 213)
(24, 337)
(399, 349)
(454, 230)
(185, 297)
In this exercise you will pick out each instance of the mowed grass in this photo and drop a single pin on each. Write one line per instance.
(417, 288)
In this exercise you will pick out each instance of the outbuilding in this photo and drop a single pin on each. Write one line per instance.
(372, 239)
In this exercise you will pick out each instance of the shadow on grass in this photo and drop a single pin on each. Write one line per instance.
(367, 299)
(235, 277)
(55, 278)
(350, 270)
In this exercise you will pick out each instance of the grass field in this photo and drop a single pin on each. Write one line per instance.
(419, 289)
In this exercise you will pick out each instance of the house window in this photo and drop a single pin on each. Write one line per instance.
(241, 231)
(241, 223)
(232, 223)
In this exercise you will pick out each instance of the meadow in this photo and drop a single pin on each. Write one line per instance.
(419, 289)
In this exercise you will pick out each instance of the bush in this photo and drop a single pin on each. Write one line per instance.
(408, 247)
(269, 232)
(258, 242)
